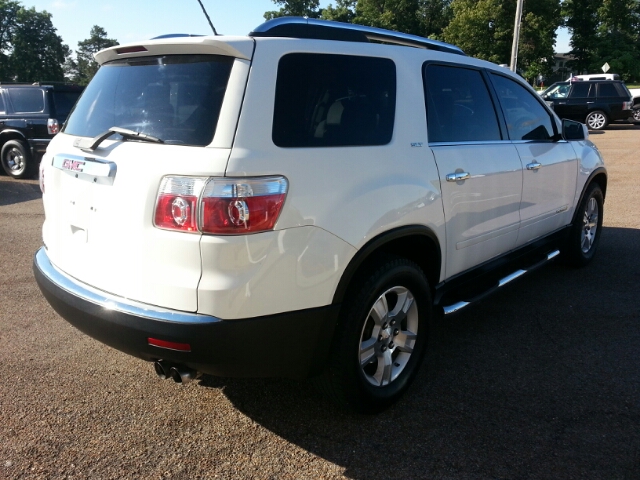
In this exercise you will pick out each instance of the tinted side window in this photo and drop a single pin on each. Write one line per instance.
(459, 108)
(327, 100)
(582, 90)
(2, 107)
(607, 90)
(27, 100)
(526, 118)
(64, 101)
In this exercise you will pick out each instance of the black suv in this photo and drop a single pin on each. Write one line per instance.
(30, 115)
(595, 102)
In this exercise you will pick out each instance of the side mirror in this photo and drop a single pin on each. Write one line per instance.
(572, 130)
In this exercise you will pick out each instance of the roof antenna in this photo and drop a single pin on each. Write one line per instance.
(208, 19)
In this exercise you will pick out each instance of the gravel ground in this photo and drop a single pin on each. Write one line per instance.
(540, 381)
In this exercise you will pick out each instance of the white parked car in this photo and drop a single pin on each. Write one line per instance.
(304, 201)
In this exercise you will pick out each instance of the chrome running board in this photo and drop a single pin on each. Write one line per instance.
(456, 307)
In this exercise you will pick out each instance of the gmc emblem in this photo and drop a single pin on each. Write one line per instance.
(74, 165)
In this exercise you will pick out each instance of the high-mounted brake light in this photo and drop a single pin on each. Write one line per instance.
(223, 206)
(136, 49)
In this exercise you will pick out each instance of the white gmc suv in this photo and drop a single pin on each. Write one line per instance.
(304, 201)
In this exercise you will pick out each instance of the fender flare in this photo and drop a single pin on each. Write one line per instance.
(375, 246)
(598, 171)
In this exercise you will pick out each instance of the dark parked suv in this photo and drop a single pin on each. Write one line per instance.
(596, 102)
(30, 115)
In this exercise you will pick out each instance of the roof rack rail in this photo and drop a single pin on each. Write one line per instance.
(41, 83)
(302, 27)
(176, 35)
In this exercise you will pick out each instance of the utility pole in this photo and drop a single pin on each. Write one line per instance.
(516, 36)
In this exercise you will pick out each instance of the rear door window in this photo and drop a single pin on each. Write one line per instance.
(583, 90)
(459, 107)
(325, 100)
(26, 100)
(176, 98)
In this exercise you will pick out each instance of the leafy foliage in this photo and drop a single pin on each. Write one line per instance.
(37, 51)
(84, 67)
(295, 8)
(618, 36)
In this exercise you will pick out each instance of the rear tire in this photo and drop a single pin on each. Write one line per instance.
(597, 120)
(381, 337)
(584, 236)
(16, 160)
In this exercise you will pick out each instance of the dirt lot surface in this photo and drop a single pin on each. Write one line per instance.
(539, 381)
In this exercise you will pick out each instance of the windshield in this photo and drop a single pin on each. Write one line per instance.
(557, 91)
(176, 98)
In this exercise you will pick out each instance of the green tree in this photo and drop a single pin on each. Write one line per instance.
(84, 67)
(8, 15)
(38, 52)
(344, 11)
(295, 8)
(581, 18)
(617, 38)
(540, 21)
(435, 15)
(399, 15)
(484, 29)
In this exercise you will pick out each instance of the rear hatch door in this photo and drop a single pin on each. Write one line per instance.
(100, 194)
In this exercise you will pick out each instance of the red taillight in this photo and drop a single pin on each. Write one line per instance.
(223, 206)
(177, 212)
(180, 347)
(177, 203)
(52, 126)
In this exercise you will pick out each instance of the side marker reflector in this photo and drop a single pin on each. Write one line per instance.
(180, 347)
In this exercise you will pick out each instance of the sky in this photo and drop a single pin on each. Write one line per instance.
(134, 20)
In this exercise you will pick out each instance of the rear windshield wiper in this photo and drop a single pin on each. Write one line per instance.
(93, 143)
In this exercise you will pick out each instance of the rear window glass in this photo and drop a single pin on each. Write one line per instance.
(26, 100)
(608, 90)
(64, 101)
(325, 100)
(176, 98)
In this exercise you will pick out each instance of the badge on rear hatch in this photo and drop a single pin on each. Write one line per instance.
(85, 168)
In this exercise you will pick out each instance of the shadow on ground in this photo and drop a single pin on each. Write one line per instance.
(17, 191)
(539, 381)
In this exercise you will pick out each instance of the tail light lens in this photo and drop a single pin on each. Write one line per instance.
(627, 105)
(52, 126)
(242, 205)
(177, 203)
(223, 206)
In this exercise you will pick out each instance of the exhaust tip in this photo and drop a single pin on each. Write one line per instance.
(183, 374)
(162, 370)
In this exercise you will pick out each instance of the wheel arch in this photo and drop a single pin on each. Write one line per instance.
(10, 134)
(599, 176)
(416, 243)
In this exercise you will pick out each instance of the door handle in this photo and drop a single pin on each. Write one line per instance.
(457, 177)
(533, 166)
